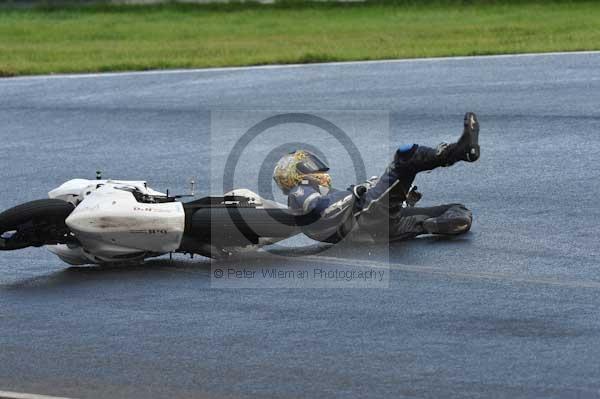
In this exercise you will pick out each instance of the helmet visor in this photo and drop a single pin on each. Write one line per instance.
(312, 164)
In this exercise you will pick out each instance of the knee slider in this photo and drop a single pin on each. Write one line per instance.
(405, 152)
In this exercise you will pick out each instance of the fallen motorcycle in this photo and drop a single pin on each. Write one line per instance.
(118, 221)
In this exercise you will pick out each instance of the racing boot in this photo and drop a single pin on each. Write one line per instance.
(456, 220)
(414, 158)
(467, 146)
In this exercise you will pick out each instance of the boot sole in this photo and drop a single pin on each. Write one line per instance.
(447, 227)
(472, 127)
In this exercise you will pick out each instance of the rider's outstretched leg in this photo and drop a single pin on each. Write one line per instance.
(393, 185)
(412, 159)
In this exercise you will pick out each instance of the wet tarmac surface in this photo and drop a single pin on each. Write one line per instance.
(508, 310)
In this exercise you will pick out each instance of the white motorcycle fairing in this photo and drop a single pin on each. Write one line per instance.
(113, 226)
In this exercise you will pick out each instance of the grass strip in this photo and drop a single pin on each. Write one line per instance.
(102, 37)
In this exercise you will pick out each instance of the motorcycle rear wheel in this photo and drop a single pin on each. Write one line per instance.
(34, 223)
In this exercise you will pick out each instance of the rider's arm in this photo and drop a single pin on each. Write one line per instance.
(307, 199)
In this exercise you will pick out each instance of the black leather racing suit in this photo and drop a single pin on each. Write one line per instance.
(376, 205)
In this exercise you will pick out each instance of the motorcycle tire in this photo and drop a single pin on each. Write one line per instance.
(247, 222)
(42, 213)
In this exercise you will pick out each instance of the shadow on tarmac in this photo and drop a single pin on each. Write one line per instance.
(200, 267)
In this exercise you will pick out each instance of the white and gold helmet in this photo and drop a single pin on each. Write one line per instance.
(300, 165)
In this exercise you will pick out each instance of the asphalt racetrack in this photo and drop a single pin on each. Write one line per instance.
(509, 310)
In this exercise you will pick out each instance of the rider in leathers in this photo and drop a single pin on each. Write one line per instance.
(382, 206)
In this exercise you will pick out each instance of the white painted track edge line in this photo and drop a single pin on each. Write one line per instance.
(456, 274)
(290, 66)
(20, 395)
